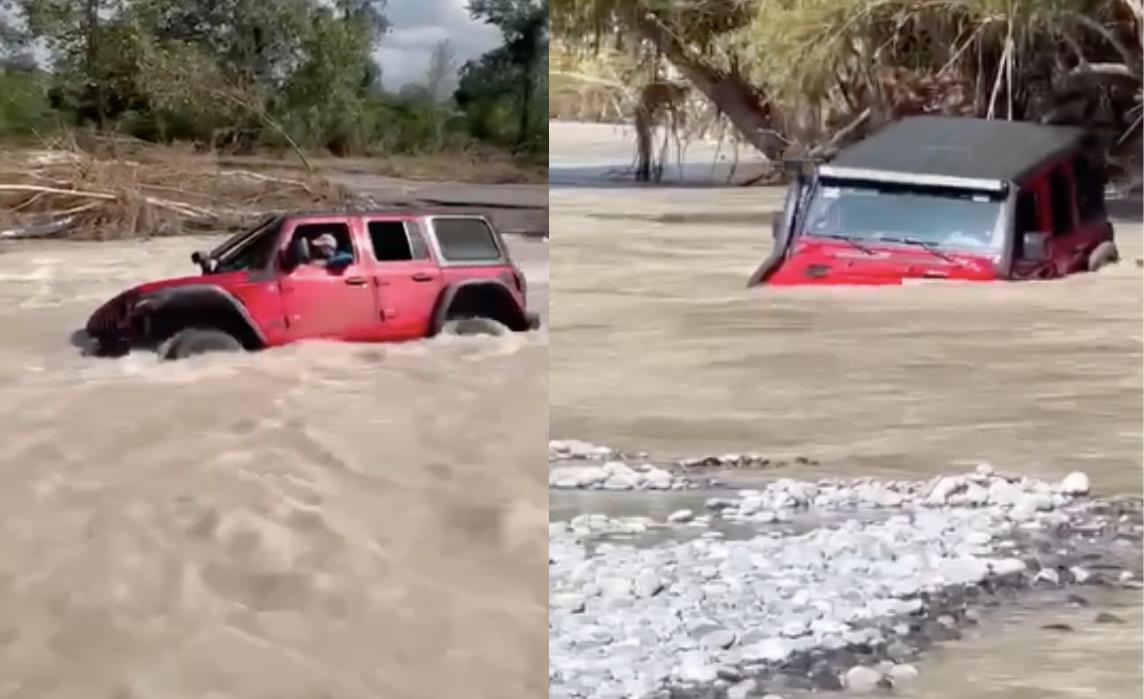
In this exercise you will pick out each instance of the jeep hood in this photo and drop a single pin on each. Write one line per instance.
(817, 262)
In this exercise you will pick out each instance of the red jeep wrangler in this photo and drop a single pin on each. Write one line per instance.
(394, 276)
(945, 198)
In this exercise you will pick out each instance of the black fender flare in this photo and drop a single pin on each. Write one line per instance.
(194, 299)
(509, 310)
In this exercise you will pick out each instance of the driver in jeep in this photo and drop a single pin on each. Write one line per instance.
(324, 252)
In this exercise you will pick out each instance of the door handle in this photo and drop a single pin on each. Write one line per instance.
(356, 281)
(422, 277)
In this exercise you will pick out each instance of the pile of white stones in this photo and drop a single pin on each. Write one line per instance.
(577, 450)
(1020, 498)
(715, 614)
(616, 475)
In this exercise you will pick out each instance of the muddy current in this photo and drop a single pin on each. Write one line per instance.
(321, 520)
(657, 346)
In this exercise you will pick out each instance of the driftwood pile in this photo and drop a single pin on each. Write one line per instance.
(71, 193)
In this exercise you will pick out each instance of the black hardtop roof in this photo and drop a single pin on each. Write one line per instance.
(990, 149)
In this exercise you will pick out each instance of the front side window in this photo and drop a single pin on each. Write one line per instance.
(942, 217)
(326, 244)
(249, 251)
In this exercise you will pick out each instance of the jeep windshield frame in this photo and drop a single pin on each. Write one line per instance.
(877, 212)
(249, 251)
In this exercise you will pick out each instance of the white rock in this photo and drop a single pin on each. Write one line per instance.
(742, 690)
(657, 478)
(902, 674)
(1004, 493)
(617, 468)
(944, 488)
(1081, 575)
(771, 650)
(647, 583)
(622, 481)
(720, 639)
(615, 587)
(695, 668)
(1076, 483)
(1007, 566)
(861, 680)
(681, 516)
(1048, 575)
(572, 601)
(794, 628)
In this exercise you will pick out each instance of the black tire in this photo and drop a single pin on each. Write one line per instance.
(474, 326)
(193, 341)
(1103, 255)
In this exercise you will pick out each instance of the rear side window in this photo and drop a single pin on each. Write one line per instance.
(1061, 201)
(1089, 179)
(466, 240)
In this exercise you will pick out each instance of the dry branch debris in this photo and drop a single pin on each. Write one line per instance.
(65, 192)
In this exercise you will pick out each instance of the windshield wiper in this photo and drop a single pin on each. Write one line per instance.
(848, 239)
(929, 247)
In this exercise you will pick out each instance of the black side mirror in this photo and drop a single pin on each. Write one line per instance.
(1035, 246)
(204, 261)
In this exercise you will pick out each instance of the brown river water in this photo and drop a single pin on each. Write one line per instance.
(321, 520)
(657, 346)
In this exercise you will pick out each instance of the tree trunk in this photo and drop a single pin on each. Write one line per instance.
(526, 88)
(729, 92)
(93, 72)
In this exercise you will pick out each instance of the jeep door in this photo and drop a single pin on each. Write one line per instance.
(406, 279)
(321, 302)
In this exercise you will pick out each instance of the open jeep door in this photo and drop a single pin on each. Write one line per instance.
(784, 225)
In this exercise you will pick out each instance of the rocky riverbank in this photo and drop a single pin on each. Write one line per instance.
(849, 603)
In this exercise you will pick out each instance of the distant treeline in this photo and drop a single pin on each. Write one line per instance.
(249, 74)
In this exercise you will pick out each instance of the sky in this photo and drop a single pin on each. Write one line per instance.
(417, 26)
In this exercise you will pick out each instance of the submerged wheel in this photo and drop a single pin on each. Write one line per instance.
(1102, 255)
(474, 326)
(192, 341)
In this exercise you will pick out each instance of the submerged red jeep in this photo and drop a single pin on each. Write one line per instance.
(945, 198)
(393, 276)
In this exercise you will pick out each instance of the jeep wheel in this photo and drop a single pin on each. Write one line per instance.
(474, 326)
(192, 341)
(1102, 255)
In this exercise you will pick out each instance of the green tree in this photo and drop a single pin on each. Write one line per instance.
(524, 26)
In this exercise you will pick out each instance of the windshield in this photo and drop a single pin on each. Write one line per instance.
(251, 250)
(866, 211)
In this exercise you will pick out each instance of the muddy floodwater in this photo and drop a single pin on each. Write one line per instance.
(320, 520)
(657, 346)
